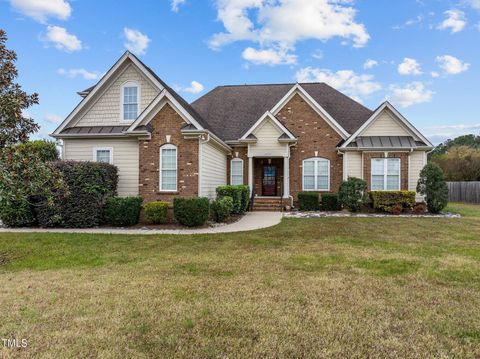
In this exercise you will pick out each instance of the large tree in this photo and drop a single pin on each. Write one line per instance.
(15, 126)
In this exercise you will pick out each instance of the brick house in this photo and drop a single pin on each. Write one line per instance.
(280, 139)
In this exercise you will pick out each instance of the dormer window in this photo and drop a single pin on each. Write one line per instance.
(130, 100)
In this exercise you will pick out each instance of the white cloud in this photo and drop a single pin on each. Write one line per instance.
(269, 56)
(72, 73)
(62, 39)
(281, 24)
(317, 54)
(474, 4)
(370, 64)
(135, 41)
(455, 21)
(410, 22)
(52, 118)
(411, 94)
(434, 74)
(194, 88)
(41, 10)
(451, 65)
(176, 3)
(409, 67)
(347, 81)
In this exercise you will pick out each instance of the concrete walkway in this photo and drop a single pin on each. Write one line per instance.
(249, 222)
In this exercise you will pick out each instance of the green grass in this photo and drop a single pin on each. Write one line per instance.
(327, 287)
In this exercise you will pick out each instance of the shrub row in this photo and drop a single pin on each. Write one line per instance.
(123, 211)
(156, 212)
(222, 209)
(392, 201)
(191, 212)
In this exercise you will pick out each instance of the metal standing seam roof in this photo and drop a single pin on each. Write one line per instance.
(95, 130)
(385, 142)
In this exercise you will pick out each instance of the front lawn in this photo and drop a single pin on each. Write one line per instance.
(328, 287)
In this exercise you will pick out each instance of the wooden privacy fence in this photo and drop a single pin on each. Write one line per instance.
(464, 192)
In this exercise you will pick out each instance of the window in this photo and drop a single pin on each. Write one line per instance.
(236, 171)
(168, 168)
(130, 96)
(103, 155)
(316, 174)
(385, 174)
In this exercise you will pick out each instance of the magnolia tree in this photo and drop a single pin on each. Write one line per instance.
(15, 126)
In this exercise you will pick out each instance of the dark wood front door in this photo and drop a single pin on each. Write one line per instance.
(269, 181)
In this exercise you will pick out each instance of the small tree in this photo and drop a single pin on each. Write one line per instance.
(15, 126)
(353, 193)
(432, 185)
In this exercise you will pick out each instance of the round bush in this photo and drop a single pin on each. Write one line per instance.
(123, 211)
(330, 202)
(308, 201)
(353, 194)
(222, 208)
(156, 212)
(191, 212)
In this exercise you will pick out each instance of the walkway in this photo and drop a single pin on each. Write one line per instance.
(249, 222)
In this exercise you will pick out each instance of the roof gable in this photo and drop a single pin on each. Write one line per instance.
(388, 108)
(268, 116)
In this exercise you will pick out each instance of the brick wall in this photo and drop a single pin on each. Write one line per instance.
(367, 166)
(314, 134)
(168, 122)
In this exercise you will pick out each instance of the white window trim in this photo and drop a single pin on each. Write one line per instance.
(168, 146)
(385, 173)
(139, 97)
(231, 172)
(315, 168)
(95, 149)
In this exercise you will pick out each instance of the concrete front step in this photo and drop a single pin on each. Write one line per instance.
(267, 204)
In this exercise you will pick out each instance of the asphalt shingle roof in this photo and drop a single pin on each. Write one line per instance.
(231, 110)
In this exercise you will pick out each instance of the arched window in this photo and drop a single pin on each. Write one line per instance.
(168, 168)
(316, 174)
(236, 171)
(130, 100)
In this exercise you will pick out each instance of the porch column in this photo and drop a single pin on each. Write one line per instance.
(250, 174)
(286, 177)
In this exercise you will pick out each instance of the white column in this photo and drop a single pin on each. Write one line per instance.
(250, 174)
(286, 177)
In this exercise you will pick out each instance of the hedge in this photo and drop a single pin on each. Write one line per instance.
(392, 201)
(222, 208)
(191, 212)
(123, 211)
(45, 150)
(329, 202)
(156, 212)
(81, 204)
(308, 201)
(239, 196)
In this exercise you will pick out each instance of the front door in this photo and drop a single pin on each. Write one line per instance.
(269, 181)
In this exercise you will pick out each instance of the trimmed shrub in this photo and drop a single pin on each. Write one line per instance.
(123, 211)
(432, 185)
(329, 202)
(156, 212)
(308, 201)
(222, 208)
(88, 185)
(353, 194)
(191, 212)
(389, 201)
(420, 208)
(45, 150)
(236, 193)
(245, 197)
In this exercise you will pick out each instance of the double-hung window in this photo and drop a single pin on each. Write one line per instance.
(385, 174)
(168, 168)
(130, 96)
(103, 155)
(236, 172)
(316, 174)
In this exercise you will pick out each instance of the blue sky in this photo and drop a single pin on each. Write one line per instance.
(422, 55)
